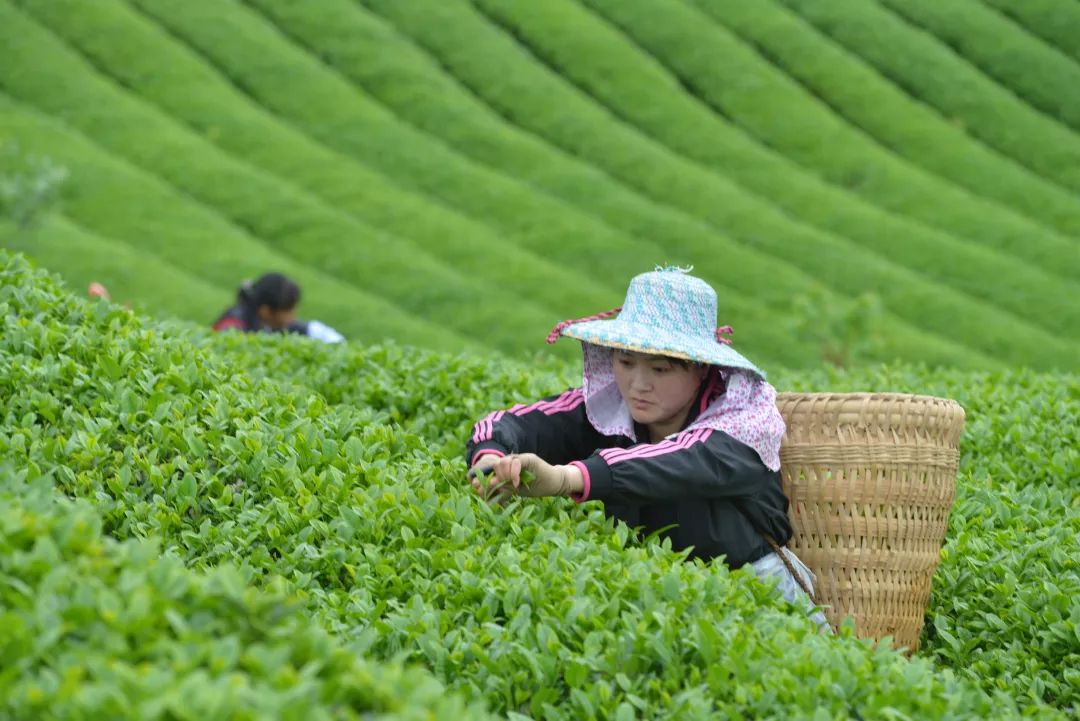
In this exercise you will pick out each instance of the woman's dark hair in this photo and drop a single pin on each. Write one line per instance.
(681, 362)
(273, 290)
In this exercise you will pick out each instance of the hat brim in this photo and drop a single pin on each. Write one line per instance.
(640, 338)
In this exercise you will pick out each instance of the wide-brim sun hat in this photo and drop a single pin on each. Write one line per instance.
(667, 312)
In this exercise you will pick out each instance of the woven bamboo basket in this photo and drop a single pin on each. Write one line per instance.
(871, 479)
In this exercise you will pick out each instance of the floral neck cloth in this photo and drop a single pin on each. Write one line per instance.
(737, 402)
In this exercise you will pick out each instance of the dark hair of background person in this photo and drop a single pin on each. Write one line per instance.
(275, 291)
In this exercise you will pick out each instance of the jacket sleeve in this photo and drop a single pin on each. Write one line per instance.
(702, 464)
(553, 428)
(321, 331)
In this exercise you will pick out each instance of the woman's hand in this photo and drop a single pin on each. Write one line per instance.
(509, 474)
(481, 467)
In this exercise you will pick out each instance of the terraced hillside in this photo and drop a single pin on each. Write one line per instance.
(901, 179)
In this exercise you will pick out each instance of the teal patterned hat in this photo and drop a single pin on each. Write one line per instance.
(667, 312)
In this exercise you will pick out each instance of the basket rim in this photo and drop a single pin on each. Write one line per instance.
(858, 395)
(910, 409)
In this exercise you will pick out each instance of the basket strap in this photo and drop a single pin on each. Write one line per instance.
(787, 564)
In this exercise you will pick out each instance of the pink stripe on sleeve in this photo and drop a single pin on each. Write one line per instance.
(642, 451)
(487, 452)
(588, 481)
(617, 454)
(613, 454)
(479, 431)
(568, 405)
(566, 401)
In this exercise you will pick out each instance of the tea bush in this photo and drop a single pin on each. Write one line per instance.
(226, 453)
(929, 70)
(853, 89)
(625, 79)
(137, 52)
(295, 222)
(95, 628)
(1008, 576)
(1043, 76)
(1056, 23)
(526, 89)
(389, 156)
(133, 275)
(28, 185)
(1016, 516)
(118, 202)
(296, 87)
(739, 82)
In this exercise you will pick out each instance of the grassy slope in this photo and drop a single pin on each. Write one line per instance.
(293, 221)
(360, 45)
(929, 70)
(384, 64)
(1041, 75)
(150, 62)
(190, 236)
(408, 153)
(491, 65)
(291, 82)
(132, 274)
(854, 90)
(626, 81)
(1055, 22)
(739, 83)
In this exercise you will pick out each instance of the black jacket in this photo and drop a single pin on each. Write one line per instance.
(714, 489)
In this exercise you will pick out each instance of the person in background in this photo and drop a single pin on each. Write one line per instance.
(672, 430)
(97, 290)
(268, 305)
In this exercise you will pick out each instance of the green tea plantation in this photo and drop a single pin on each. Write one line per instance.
(200, 526)
(239, 527)
(861, 181)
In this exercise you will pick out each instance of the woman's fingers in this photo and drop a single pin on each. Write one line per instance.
(508, 468)
(500, 469)
(501, 476)
(480, 468)
(497, 479)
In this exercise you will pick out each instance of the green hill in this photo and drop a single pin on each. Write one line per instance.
(233, 526)
(462, 174)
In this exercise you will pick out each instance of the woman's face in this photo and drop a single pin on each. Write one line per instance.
(657, 391)
(276, 319)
